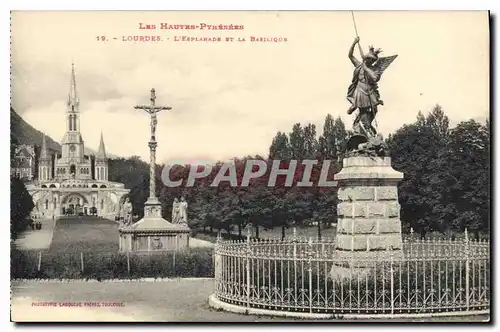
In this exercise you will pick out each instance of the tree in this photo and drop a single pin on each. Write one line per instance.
(469, 153)
(327, 141)
(134, 174)
(280, 147)
(446, 184)
(341, 137)
(310, 141)
(297, 142)
(14, 142)
(21, 205)
(445, 187)
(419, 151)
(332, 146)
(438, 122)
(332, 141)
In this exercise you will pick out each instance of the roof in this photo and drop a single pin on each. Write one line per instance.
(25, 151)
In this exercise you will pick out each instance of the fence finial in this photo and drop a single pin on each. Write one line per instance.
(466, 235)
(411, 230)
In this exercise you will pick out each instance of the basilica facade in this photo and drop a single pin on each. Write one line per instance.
(73, 183)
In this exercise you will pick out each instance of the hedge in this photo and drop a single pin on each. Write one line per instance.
(193, 262)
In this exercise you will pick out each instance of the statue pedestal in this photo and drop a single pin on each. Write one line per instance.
(153, 233)
(369, 225)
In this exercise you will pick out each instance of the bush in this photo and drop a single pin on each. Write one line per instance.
(21, 204)
(193, 262)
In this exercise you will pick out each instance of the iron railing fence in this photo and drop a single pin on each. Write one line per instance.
(431, 276)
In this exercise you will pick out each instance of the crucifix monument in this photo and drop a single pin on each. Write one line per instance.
(153, 233)
(153, 206)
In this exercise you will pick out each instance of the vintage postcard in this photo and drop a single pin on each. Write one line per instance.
(248, 166)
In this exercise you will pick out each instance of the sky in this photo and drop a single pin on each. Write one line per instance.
(229, 99)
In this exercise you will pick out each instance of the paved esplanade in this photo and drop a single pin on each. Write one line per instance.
(37, 239)
(72, 233)
(174, 300)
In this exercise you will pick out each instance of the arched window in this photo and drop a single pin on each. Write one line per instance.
(52, 185)
(103, 186)
(72, 169)
(44, 186)
(94, 185)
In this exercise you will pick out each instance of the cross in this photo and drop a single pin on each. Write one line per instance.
(152, 110)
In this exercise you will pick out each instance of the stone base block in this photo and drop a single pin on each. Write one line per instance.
(368, 209)
(368, 171)
(368, 226)
(153, 242)
(364, 258)
(153, 234)
(152, 208)
(367, 242)
(362, 264)
(339, 273)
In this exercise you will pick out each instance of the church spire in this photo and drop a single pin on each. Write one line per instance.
(43, 153)
(73, 100)
(101, 153)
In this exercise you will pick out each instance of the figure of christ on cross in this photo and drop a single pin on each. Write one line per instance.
(152, 110)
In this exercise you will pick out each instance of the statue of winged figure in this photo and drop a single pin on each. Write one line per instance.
(363, 92)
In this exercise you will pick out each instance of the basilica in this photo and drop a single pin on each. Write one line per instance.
(72, 183)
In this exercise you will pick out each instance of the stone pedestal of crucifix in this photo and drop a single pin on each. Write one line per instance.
(153, 232)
